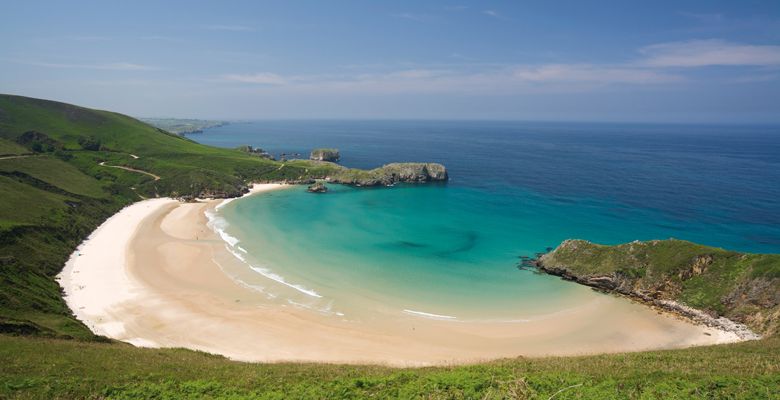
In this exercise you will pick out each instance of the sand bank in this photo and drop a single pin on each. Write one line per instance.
(148, 276)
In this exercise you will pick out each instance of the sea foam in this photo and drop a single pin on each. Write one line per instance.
(219, 224)
(272, 276)
(429, 315)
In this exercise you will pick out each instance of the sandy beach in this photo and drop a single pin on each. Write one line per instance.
(148, 276)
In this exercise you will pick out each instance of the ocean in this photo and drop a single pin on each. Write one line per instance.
(450, 251)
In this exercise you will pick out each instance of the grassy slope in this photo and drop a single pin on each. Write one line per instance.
(8, 148)
(43, 368)
(745, 287)
(55, 172)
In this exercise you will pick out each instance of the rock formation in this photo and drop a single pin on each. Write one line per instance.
(391, 174)
(706, 284)
(331, 155)
(317, 187)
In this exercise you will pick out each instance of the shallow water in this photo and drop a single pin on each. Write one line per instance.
(449, 251)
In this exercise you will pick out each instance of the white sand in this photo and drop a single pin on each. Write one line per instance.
(94, 278)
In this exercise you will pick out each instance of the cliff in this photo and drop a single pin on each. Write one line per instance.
(707, 284)
(390, 174)
(325, 155)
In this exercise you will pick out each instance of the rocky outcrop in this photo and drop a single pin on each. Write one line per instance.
(331, 155)
(732, 291)
(317, 187)
(255, 151)
(391, 174)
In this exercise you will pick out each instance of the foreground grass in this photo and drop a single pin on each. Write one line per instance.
(52, 368)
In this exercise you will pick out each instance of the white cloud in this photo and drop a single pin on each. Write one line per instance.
(714, 52)
(659, 66)
(261, 78)
(230, 28)
(536, 79)
(491, 13)
(586, 73)
(118, 66)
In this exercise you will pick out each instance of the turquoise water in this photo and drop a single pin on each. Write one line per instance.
(452, 249)
(431, 249)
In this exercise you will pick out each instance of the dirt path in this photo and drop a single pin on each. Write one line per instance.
(157, 178)
(19, 156)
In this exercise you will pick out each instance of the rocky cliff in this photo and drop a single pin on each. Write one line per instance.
(709, 285)
(390, 174)
(332, 155)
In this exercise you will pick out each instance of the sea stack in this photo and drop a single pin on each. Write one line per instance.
(317, 187)
(331, 155)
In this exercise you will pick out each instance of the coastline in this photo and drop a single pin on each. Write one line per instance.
(148, 276)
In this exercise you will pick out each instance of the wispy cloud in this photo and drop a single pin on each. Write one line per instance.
(704, 17)
(491, 13)
(117, 66)
(658, 65)
(424, 81)
(230, 28)
(587, 73)
(260, 78)
(714, 52)
(88, 38)
(415, 17)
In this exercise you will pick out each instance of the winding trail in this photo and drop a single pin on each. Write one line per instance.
(156, 178)
(19, 156)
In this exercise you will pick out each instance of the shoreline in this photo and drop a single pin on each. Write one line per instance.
(154, 281)
(690, 314)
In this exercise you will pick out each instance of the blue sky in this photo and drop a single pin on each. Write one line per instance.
(654, 61)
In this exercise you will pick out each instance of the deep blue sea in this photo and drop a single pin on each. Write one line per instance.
(515, 189)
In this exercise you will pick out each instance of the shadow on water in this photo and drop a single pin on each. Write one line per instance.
(469, 242)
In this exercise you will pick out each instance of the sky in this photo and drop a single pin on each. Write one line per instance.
(650, 61)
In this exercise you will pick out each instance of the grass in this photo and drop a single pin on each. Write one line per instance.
(15, 208)
(46, 368)
(55, 172)
(9, 148)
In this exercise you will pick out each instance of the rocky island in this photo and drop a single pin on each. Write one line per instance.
(721, 288)
(331, 155)
(317, 187)
(390, 174)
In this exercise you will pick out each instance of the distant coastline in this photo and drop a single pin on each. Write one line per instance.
(183, 126)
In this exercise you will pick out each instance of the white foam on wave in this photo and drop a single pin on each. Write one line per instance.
(278, 278)
(429, 315)
(218, 225)
(224, 203)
